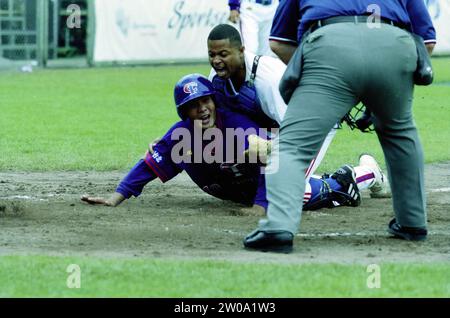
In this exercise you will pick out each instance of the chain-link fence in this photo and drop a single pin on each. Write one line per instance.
(18, 35)
(35, 31)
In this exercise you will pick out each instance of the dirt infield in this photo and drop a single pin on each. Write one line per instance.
(41, 213)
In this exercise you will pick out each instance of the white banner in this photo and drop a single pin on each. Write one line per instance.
(167, 30)
(440, 14)
(153, 30)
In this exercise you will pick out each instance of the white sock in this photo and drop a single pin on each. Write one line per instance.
(365, 177)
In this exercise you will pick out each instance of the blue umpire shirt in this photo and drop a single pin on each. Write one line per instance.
(293, 17)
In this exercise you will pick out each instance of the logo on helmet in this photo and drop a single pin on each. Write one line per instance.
(190, 88)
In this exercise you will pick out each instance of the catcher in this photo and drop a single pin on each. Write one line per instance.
(239, 179)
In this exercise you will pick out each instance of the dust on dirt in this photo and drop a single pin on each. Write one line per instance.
(41, 213)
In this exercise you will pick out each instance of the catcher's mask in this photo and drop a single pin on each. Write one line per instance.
(188, 88)
(359, 117)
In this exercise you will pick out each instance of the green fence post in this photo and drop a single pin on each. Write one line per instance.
(42, 32)
(90, 34)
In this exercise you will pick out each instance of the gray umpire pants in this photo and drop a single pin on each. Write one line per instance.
(343, 64)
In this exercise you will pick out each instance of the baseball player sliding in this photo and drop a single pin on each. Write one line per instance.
(238, 181)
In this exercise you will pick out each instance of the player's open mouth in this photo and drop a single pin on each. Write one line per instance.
(221, 71)
(205, 119)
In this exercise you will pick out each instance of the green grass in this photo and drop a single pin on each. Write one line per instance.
(103, 119)
(89, 119)
(39, 276)
(441, 69)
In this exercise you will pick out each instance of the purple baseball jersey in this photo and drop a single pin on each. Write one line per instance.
(246, 187)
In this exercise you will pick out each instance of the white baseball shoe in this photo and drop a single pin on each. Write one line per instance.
(379, 188)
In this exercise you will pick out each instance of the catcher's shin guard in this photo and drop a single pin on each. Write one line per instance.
(346, 177)
(323, 199)
(348, 193)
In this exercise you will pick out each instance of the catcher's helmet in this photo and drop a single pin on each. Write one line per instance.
(191, 87)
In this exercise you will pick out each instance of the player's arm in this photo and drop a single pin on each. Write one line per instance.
(430, 47)
(283, 34)
(131, 185)
(157, 163)
(284, 50)
(234, 10)
(421, 23)
(267, 82)
(260, 202)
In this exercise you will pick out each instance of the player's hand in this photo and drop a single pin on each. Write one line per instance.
(95, 200)
(234, 16)
(113, 201)
(258, 148)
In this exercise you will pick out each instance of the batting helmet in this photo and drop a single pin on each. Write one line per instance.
(191, 87)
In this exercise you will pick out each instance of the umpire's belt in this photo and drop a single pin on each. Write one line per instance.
(355, 19)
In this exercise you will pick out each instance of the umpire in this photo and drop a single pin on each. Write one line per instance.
(351, 51)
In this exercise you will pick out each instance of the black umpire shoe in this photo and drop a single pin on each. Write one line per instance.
(407, 233)
(278, 242)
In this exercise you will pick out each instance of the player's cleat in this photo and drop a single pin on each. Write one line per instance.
(379, 188)
(407, 233)
(346, 177)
